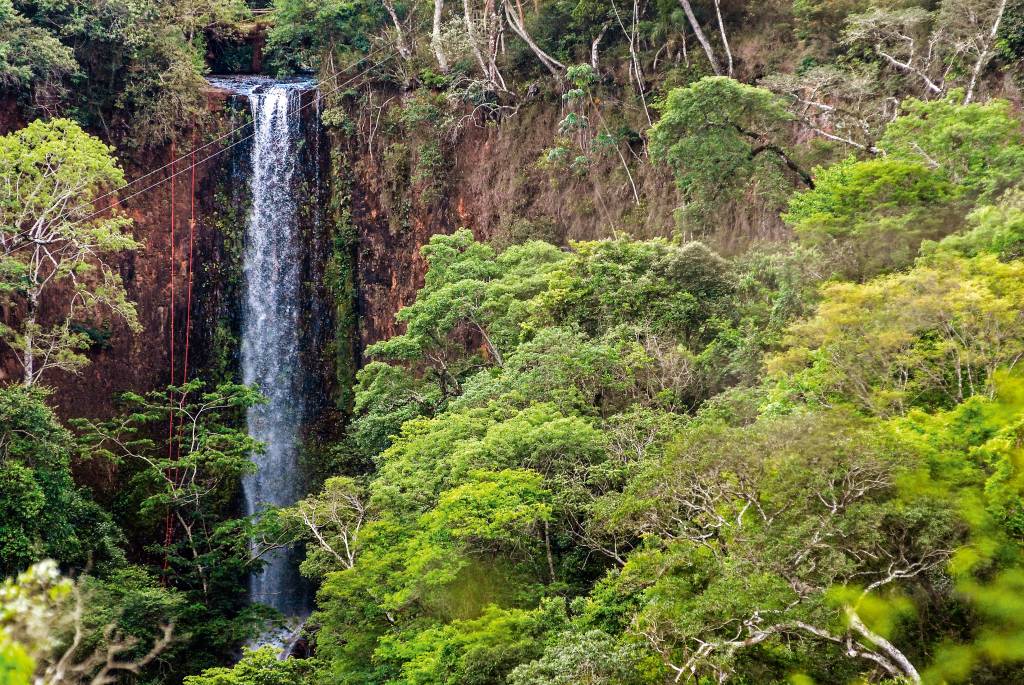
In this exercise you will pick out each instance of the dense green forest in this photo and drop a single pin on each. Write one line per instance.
(712, 456)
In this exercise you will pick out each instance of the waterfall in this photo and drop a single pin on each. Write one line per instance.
(270, 330)
(271, 348)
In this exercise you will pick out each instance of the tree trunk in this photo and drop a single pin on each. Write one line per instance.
(640, 85)
(435, 38)
(593, 46)
(553, 65)
(787, 160)
(986, 53)
(492, 24)
(889, 649)
(701, 38)
(547, 548)
(473, 43)
(28, 355)
(400, 44)
(725, 40)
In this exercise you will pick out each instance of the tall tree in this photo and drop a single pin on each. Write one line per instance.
(56, 243)
(188, 478)
(719, 135)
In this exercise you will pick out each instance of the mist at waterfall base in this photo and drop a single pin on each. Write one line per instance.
(270, 333)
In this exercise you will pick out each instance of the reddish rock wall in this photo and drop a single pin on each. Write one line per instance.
(494, 179)
(142, 361)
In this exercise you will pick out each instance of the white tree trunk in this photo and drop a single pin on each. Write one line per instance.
(593, 47)
(515, 22)
(29, 353)
(400, 44)
(435, 38)
(887, 648)
(725, 40)
(701, 38)
(467, 9)
(986, 53)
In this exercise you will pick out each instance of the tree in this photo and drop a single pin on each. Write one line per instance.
(974, 456)
(787, 529)
(576, 126)
(31, 58)
(517, 22)
(876, 212)
(195, 17)
(997, 229)
(468, 289)
(936, 49)
(179, 497)
(56, 241)
(675, 290)
(718, 135)
(42, 511)
(931, 337)
(822, 21)
(435, 37)
(589, 658)
(977, 147)
(386, 397)
(940, 157)
(482, 649)
(188, 477)
(842, 104)
(566, 368)
(262, 666)
(43, 617)
(140, 61)
(332, 521)
(492, 520)
(305, 32)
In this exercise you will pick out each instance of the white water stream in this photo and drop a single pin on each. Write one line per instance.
(271, 318)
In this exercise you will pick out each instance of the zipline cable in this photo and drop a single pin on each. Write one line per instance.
(171, 336)
(234, 130)
(121, 201)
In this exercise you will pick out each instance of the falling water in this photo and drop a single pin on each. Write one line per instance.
(271, 318)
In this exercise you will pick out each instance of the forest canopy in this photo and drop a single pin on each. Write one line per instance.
(701, 361)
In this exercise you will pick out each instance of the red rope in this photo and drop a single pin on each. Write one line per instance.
(172, 473)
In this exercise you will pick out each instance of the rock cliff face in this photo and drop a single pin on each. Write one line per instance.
(379, 209)
(162, 224)
(369, 208)
(130, 361)
(140, 362)
(493, 181)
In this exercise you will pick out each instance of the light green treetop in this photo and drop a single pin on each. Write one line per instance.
(56, 238)
(718, 135)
